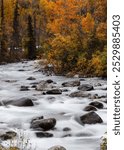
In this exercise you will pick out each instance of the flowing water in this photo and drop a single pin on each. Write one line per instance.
(65, 109)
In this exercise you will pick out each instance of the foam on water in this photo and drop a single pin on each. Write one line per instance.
(62, 107)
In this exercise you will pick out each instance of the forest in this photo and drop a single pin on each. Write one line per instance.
(70, 34)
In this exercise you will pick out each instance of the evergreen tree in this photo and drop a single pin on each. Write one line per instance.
(31, 45)
(3, 37)
(16, 34)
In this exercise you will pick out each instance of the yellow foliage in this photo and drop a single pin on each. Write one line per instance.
(88, 23)
(101, 31)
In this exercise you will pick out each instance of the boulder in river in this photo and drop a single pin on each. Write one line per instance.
(54, 91)
(24, 88)
(43, 124)
(85, 87)
(91, 118)
(45, 85)
(71, 83)
(58, 147)
(79, 94)
(21, 70)
(8, 135)
(66, 129)
(37, 118)
(23, 102)
(44, 134)
(90, 108)
(31, 78)
(97, 104)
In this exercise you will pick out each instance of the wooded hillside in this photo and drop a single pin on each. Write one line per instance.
(71, 34)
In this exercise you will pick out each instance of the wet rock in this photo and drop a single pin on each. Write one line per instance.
(31, 78)
(85, 87)
(67, 135)
(43, 124)
(91, 118)
(94, 96)
(104, 88)
(11, 81)
(71, 83)
(90, 108)
(65, 90)
(84, 134)
(97, 104)
(8, 135)
(67, 129)
(34, 86)
(37, 118)
(44, 134)
(98, 84)
(102, 96)
(23, 102)
(79, 94)
(49, 81)
(21, 70)
(82, 79)
(57, 148)
(24, 88)
(45, 86)
(54, 91)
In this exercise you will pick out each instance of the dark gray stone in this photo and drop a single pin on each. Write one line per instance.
(71, 83)
(57, 147)
(67, 129)
(23, 102)
(44, 134)
(91, 118)
(45, 85)
(85, 87)
(97, 104)
(79, 94)
(8, 135)
(24, 88)
(31, 78)
(43, 124)
(90, 108)
(49, 81)
(54, 91)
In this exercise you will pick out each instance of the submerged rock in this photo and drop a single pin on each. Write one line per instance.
(43, 124)
(45, 85)
(85, 87)
(8, 135)
(91, 118)
(10, 81)
(90, 108)
(57, 148)
(44, 134)
(31, 78)
(24, 88)
(23, 102)
(21, 70)
(97, 104)
(54, 91)
(79, 94)
(71, 83)
(67, 129)
(37, 118)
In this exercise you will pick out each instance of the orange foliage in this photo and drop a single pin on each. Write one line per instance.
(88, 23)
